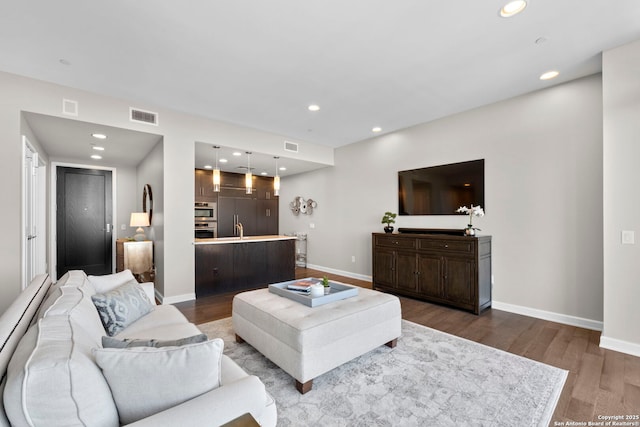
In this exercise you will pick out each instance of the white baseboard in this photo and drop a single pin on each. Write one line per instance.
(620, 345)
(340, 272)
(174, 299)
(549, 315)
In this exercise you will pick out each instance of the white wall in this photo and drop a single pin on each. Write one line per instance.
(543, 173)
(621, 93)
(151, 171)
(179, 132)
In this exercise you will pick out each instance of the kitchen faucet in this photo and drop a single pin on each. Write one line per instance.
(239, 227)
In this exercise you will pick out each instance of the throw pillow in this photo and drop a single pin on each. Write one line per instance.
(109, 342)
(122, 306)
(109, 282)
(147, 380)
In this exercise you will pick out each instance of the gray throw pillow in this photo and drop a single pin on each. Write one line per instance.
(109, 342)
(146, 380)
(122, 306)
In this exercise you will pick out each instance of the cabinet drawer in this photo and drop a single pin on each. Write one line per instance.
(395, 242)
(459, 246)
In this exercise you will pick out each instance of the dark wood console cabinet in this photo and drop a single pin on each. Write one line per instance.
(439, 268)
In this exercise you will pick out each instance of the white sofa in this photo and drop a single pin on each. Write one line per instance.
(50, 338)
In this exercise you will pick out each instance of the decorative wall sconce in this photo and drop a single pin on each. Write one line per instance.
(300, 205)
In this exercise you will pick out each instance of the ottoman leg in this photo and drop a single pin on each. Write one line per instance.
(391, 343)
(303, 388)
(239, 339)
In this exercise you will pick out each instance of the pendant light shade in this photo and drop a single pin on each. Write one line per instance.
(248, 178)
(216, 173)
(276, 180)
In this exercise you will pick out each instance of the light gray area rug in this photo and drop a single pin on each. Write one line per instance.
(429, 379)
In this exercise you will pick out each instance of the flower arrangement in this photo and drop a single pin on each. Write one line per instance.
(472, 211)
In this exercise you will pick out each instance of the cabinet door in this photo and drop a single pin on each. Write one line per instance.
(204, 185)
(430, 275)
(459, 280)
(249, 264)
(384, 267)
(246, 211)
(214, 269)
(406, 271)
(281, 261)
(267, 217)
(226, 216)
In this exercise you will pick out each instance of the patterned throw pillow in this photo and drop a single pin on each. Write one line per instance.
(122, 306)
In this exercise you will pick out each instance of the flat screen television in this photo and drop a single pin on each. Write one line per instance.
(440, 190)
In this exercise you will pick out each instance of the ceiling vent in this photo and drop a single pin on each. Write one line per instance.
(142, 116)
(69, 107)
(291, 146)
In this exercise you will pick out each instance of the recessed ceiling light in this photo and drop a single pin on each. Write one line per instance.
(223, 160)
(98, 148)
(237, 153)
(512, 8)
(376, 129)
(549, 75)
(99, 135)
(96, 157)
(314, 107)
(208, 167)
(282, 168)
(263, 173)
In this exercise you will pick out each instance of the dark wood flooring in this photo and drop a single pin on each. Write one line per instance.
(600, 382)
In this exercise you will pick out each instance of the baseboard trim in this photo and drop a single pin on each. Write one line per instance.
(620, 346)
(340, 272)
(174, 299)
(549, 315)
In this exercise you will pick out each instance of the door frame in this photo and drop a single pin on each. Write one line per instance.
(39, 202)
(53, 209)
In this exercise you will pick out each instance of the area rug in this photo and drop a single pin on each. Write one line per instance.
(429, 379)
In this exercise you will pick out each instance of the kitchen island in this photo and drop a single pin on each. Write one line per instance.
(232, 264)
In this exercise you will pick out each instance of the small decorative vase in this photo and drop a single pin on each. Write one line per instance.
(327, 290)
(388, 229)
(469, 231)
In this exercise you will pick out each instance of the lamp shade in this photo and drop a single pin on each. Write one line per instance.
(139, 219)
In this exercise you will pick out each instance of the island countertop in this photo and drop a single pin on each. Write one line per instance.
(245, 239)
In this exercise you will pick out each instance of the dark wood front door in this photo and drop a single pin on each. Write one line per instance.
(84, 216)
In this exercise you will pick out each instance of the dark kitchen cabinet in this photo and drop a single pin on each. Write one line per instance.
(233, 210)
(204, 186)
(446, 269)
(238, 266)
(267, 217)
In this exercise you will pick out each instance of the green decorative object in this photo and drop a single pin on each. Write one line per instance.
(389, 218)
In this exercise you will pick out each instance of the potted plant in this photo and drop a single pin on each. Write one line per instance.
(389, 218)
(325, 283)
(472, 211)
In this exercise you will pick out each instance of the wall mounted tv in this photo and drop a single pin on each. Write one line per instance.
(440, 190)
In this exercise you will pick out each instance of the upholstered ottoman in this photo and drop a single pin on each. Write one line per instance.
(308, 341)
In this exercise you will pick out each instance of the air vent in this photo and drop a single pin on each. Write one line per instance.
(142, 116)
(291, 146)
(69, 107)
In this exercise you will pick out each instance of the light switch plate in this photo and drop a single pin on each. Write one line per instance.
(628, 237)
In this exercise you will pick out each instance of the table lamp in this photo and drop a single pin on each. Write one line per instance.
(139, 219)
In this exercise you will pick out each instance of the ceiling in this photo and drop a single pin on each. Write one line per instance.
(260, 63)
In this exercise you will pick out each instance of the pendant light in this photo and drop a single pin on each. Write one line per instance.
(248, 178)
(276, 180)
(216, 173)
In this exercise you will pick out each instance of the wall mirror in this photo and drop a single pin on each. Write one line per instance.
(147, 201)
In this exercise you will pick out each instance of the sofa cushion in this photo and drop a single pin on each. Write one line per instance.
(121, 306)
(109, 282)
(147, 380)
(110, 342)
(52, 376)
